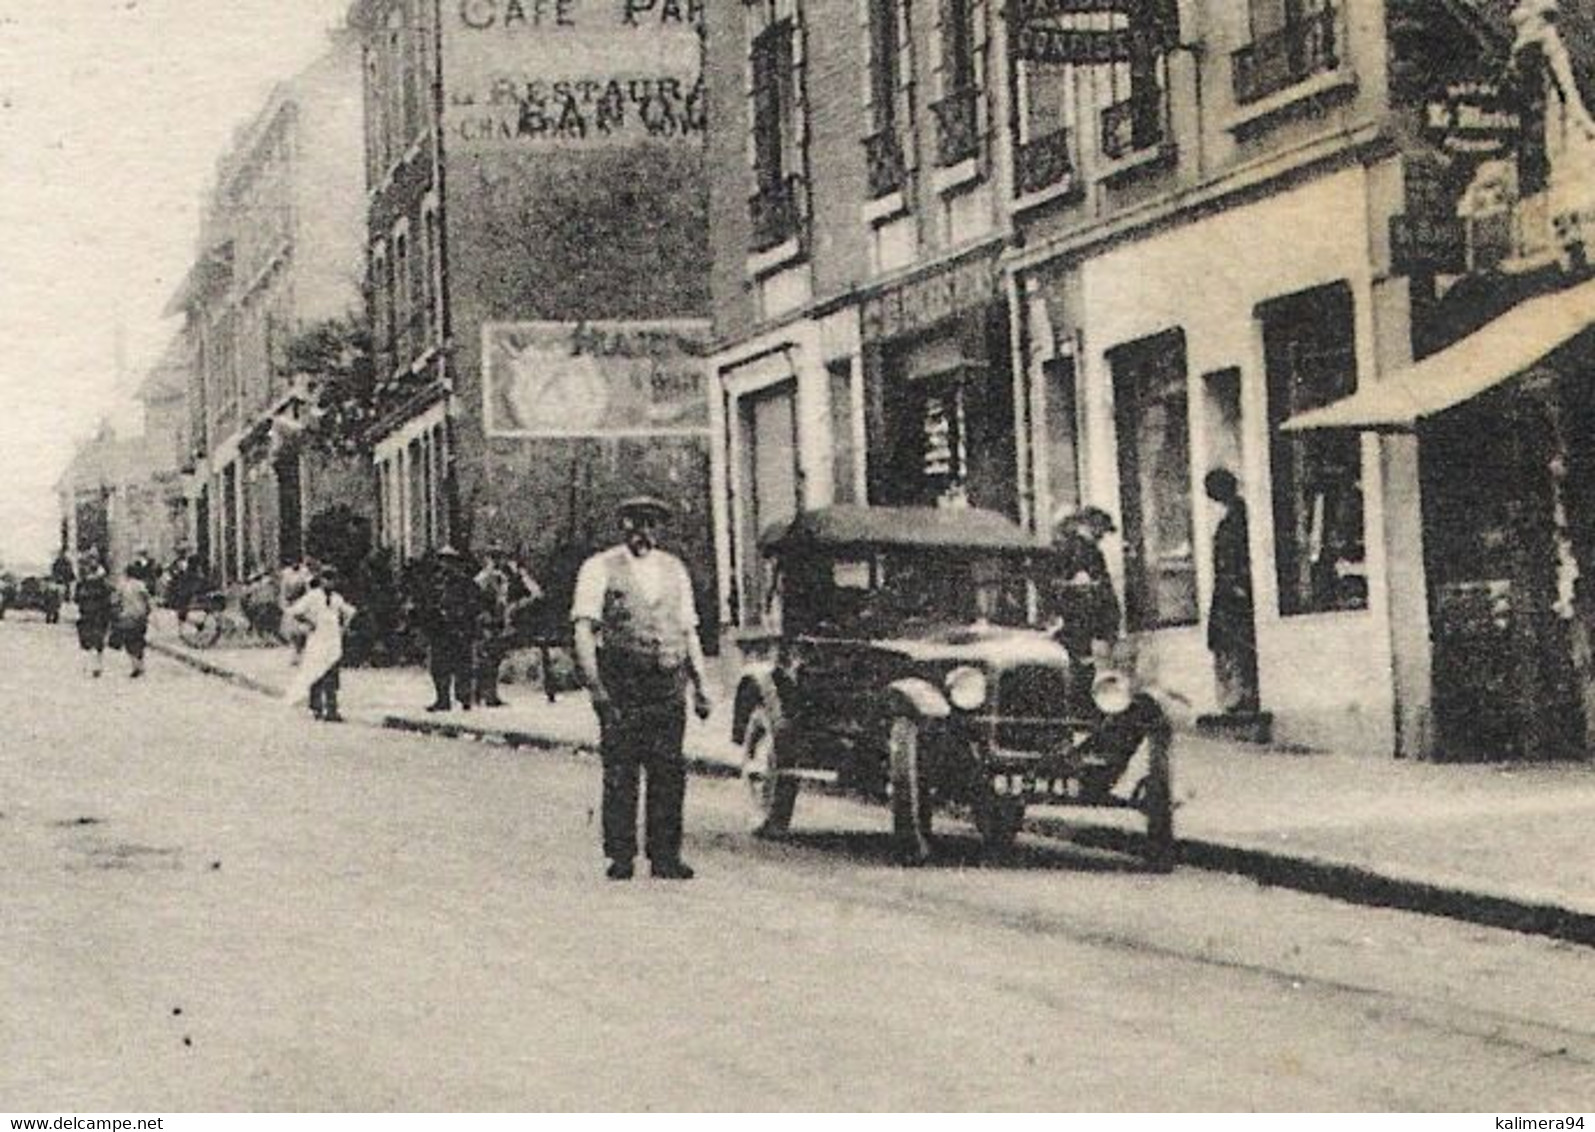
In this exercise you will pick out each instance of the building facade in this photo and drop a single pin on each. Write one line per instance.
(1089, 250)
(537, 267)
(281, 251)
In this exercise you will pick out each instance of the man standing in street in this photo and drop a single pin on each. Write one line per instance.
(449, 619)
(492, 583)
(636, 633)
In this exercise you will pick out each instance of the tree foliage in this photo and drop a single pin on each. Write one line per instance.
(335, 356)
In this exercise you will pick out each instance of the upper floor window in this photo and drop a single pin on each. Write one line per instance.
(1309, 353)
(890, 95)
(403, 307)
(959, 112)
(1092, 82)
(778, 205)
(1292, 40)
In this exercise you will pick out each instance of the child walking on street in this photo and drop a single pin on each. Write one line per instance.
(324, 615)
(132, 620)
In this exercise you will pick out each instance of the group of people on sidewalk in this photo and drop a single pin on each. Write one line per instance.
(472, 621)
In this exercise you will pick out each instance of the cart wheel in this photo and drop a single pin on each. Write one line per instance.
(1155, 797)
(200, 629)
(773, 796)
(998, 819)
(911, 806)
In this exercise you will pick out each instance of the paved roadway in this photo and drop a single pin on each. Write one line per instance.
(212, 903)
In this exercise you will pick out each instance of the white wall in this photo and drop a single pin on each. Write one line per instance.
(1325, 676)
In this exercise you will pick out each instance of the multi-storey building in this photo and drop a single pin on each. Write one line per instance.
(280, 251)
(537, 269)
(1169, 228)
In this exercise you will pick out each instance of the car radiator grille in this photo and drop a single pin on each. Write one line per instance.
(1033, 691)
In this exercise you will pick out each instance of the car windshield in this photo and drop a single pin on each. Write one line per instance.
(890, 590)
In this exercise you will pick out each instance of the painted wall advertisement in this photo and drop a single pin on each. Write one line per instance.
(595, 378)
(572, 73)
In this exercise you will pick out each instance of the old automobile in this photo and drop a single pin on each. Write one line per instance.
(913, 665)
(34, 592)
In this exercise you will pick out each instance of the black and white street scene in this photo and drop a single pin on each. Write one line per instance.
(798, 556)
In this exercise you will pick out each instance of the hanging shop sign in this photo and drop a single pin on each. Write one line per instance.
(923, 302)
(595, 378)
(1474, 119)
(538, 74)
(1045, 32)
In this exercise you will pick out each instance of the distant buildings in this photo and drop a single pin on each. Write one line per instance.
(281, 251)
(120, 494)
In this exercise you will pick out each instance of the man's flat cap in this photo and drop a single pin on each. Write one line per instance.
(645, 506)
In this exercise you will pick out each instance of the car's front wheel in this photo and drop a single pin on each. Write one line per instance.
(911, 800)
(773, 796)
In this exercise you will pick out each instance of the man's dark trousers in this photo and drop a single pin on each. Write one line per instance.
(643, 734)
(449, 659)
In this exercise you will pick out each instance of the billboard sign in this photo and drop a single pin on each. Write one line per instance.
(595, 378)
(537, 74)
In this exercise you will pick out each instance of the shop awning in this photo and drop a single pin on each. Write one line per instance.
(1497, 352)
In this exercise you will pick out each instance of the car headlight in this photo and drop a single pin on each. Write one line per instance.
(1112, 693)
(966, 688)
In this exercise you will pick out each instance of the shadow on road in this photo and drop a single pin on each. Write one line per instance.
(953, 850)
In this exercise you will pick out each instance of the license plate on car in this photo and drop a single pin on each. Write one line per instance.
(1014, 785)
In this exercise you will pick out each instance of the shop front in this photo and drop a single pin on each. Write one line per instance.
(1505, 421)
(939, 400)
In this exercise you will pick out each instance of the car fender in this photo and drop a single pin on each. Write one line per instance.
(757, 686)
(918, 697)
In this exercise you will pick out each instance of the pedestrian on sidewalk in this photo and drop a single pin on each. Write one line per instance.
(94, 609)
(450, 605)
(131, 604)
(1231, 618)
(493, 584)
(1083, 600)
(324, 616)
(636, 635)
(293, 583)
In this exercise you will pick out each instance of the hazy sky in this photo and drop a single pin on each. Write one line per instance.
(112, 116)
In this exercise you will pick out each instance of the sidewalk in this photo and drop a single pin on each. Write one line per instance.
(1507, 844)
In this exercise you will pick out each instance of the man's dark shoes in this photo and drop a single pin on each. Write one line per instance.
(619, 870)
(437, 705)
(333, 717)
(672, 870)
(494, 702)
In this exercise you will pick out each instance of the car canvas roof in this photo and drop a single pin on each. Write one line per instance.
(856, 525)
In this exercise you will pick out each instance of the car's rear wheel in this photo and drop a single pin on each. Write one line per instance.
(998, 819)
(773, 797)
(911, 801)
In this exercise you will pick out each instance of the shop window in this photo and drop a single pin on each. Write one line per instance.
(1152, 413)
(1292, 40)
(777, 205)
(1308, 344)
(844, 452)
